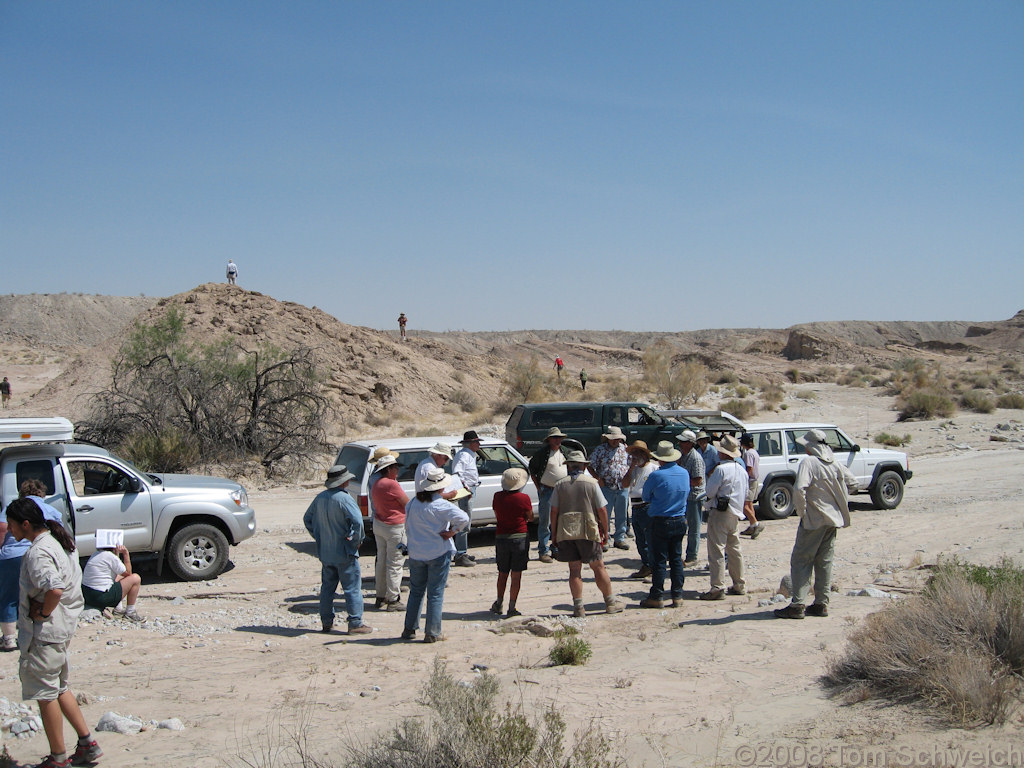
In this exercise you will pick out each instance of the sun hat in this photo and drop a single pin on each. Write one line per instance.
(338, 475)
(555, 432)
(728, 446)
(667, 452)
(614, 433)
(513, 479)
(385, 462)
(812, 437)
(470, 437)
(702, 435)
(437, 480)
(381, 452)
(441, 449)
(639, 446)
(576, 457)
(687, 436)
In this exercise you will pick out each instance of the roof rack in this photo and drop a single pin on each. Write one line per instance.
(41, 429)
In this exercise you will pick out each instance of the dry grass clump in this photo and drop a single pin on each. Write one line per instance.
(1012, 400)
(958, 646)
(925, 403)
(893, 441)
(772, 395)
(978, 400)
(741, 409)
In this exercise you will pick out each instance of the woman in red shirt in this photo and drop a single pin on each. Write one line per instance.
(389, 502)
(512, 510)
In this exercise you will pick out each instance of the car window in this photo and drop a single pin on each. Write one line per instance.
(95, 478)
(495, 459)
(768, 443)
(562, 417)
(833, 439)
(36, 469)
(643, 416)
(354, 457)
(408, 461)
(795, 449)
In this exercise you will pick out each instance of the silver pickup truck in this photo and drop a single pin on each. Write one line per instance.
(189, 520)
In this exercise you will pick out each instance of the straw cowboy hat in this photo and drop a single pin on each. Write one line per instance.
(437, 480)
(667, 452)
(555, 432)
(380, 453)
(614, 433)
(441, 449)
(639, 446)
(729, 446)
(513, 479)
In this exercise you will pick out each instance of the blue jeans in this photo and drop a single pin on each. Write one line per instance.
(10, 572)
(461, 539)
(641, 524)
(544, 519)
(666, 545)
(427, 577)
(693, 522)
(618, 503)
(351, 579)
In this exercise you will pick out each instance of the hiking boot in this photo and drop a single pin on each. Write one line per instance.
(380, 603)
(791, 611)
(86, 754)
(408, 634)
(757, 530)
(395, 605)
(496, 607)
(471, 557)
(614, 605)
(327, 627)
(512, 612)
(49, 762)
(689, 563)
(644, 571)
(546, 558)
(579, 612)
(433, 638)
(362, 629)
(9, 643)
(677, 602)
(816, 609)
(748, 531)
(463, 561)
(650, 602)
(734, 590)
(133, 617)
(621, 544)
(712, 594)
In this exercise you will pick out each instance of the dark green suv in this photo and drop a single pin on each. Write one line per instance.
(529, 423)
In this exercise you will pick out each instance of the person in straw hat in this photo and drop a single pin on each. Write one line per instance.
(693, 463)
(666, 492)
(336, 525)
(609, 463)
(547, 467)
(431, 522)
(389, 502)
(727, 490)
(579, 528)
(513, 511)
(641, 465)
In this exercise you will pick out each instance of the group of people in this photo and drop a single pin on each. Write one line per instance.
(583, 510)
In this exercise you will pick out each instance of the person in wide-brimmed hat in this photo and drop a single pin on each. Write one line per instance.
(336, 525)
(727, 490)
(609, 463)
(547, 467)
(389, 502)
(513, 512)
(464, 470)
(641, 465)
(437, 457)
(693, 462)
(666, 492)
(708, 452)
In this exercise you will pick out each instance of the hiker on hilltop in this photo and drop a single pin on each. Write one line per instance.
(402, 320)
(559, 365)
(5, 391)
(232, 272)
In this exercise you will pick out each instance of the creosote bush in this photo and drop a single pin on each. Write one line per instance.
(958, 646)
(1013, 400)
(893, 441)
(741, 409)
(978, 401)
(925, 404)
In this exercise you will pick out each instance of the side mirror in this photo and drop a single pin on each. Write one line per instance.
(855, 448)
(134, 485)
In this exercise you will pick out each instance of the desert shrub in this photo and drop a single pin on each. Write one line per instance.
(893, 441)
(1012, 367)
(794, 375)
(806, 394)
(925, 404)
(570, 648)
(620, 387)
(978, 400)
(827, 373)
(742, 390)
(166, 451)
(726, 377)
(958, 646)
(523, 383)
(465, 400)
(381, 417)
(1013, 400)
(771, 395)
(741, 409)
(674, 382)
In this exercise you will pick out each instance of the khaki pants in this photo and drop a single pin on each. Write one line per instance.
(813, 551)
(723, 537)
(387, 573)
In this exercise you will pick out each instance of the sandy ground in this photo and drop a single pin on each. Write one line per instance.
(242, 657)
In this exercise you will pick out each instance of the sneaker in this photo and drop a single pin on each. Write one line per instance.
(621, 544)
(463, 561)
(433, 638)
(734, 590)
(689, 563)
(816, 609)
(118, 610)
(791, 611)
(614, 606)
(471, 557)
(748, 531)
(9, 643)
(712, 594)
(133, 616)
(87, 754)
(644, 571)
(579, 613)
(362, 629)
(757, 531)
(546, 558)
(496, 607)
(49, 762)
(395, 605)
(512, 612)
(408, 634)
(650, 602)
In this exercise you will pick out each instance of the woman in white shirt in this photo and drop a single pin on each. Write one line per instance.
(107, 579)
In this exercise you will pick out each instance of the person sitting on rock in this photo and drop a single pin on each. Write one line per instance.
(108, 581)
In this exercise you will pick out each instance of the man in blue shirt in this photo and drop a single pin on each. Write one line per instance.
(335, 523)
(666, 492)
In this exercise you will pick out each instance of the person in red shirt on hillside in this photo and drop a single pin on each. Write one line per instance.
(513, 510)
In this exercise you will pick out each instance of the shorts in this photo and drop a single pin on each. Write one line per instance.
(44, 671)
(753, 487)
(512, 554)
(575, 550)
(100, 600)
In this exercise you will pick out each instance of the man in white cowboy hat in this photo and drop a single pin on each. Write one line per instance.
(693, 463)
(609, 463)
(464, 470)
(727, 490)
(579, 528)
(437, 457)
(821, 500)
(336, 525)
(547, 467)
(666, 492)
(389, 502)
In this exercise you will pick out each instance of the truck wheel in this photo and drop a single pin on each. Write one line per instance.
(198, 551)
(887, 492)
(776, 502)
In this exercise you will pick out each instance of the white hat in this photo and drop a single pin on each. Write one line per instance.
(614, 433)
(729, 446)
(437, 480)
(576, 457)
(441, 449)
(666, 452)
(513, 478)
(385, 462)
(812, 437)
(687, 436)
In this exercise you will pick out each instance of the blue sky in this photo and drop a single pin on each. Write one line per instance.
(492, 166)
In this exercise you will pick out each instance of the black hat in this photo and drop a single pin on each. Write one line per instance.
(470, 436)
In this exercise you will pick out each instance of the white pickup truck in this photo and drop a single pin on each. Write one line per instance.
(189, 520)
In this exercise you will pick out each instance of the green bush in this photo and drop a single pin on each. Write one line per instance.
(925, 404)
(167, 451)
(1013, 400)
(978, 400)
(570, 648)
(465, 400)
(741, 409)
(726, 377)
(806, 394)
(893, 441)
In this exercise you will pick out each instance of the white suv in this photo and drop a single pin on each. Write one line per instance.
(879, 471)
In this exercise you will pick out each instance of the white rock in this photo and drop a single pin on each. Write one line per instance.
(172, 724)
(867, 592)
(115, 723)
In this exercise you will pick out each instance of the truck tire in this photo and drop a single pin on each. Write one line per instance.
(776, 501)
(887, 492)
(198, 551)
